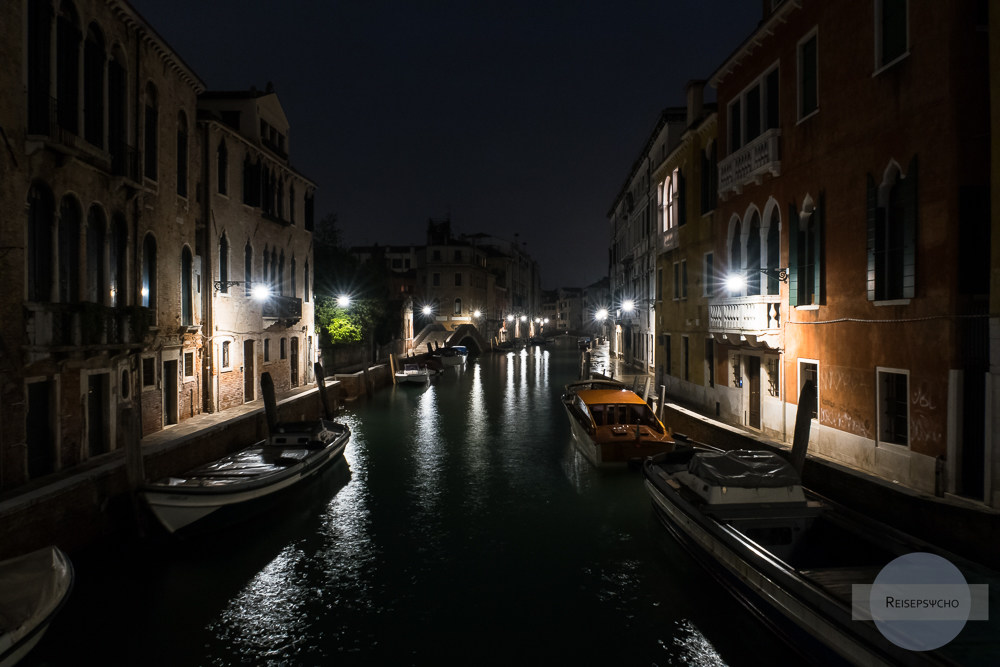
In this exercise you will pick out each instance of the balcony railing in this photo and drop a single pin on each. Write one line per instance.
(753, 318)
(86, 327)
(750, 163)
(280, 307)
(669, 239)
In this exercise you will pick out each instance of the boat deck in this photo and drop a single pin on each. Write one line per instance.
(839, 580)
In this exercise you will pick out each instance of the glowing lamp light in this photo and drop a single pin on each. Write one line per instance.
(343, 301)
(426, 310)
(524, 318)
(144, 292)
(260, 292)
(602, 314)
(628, 305)
(735, 282)
(510, 318)
(477, 314)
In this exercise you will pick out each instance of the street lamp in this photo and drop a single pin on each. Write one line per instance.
(343, 301)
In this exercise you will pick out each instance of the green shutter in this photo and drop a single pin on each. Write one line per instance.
(910, 231)
(871, 206)
(819, 246)
(793, 255)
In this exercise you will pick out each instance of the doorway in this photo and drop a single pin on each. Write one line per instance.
(248, 371)
(753, 377)
(98, 431)
(40, 429)
(169, 392)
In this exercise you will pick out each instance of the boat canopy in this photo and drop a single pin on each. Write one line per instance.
(743, 468)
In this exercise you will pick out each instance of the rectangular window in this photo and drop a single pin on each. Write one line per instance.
(892, 229)
(458, 280)
(677, 281)
(893, 406)
(225, 355)
(148, 372)
(669, 360)
(808, 76)
(283, 348)
(708, 275)
(189, 364)
(754, 111)
(684, 279)
(659, 284)
(685, 358)
(751, 119)
(809, 370)
(891, 26)
(267, 349)
(436, 279)
(735, 124)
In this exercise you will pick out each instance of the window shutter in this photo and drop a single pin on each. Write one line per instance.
(871, 207)
(818, 246)
(793, 255)
(910, 231)
(681, 200)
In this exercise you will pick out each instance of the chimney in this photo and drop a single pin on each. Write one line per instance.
(695, 94)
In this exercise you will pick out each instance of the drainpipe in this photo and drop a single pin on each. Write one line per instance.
(209, 401)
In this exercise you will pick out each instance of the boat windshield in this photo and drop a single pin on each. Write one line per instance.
(626, 414)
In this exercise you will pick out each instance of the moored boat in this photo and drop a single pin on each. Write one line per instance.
(293, 452)
(33, 588)
(791, 556)
(449, 356)
(612, 425)
(415, 373)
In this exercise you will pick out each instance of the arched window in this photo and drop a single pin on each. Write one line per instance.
(224, 264)
(222, 167)
(305, 282)
(735, 257)
(69, 250)
(96, 284)
(117, 260)
(122, 155)
(68, 38)
(39, 54)
(93, 86)
(147, 293)
(41, 212)
(150, 133)
(281, 273)
(187, 296)
(247, 269)
(753, 256)
(182, 154)
(458, 306)
(773, 253)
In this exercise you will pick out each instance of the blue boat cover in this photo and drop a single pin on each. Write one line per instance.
(743, 468)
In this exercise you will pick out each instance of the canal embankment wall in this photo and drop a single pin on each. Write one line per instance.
(98, 499)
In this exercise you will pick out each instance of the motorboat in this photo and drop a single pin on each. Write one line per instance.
(33, 588)
(793, 557)
(449, 356)
(293, 452)
(415, 373)
(611, 424)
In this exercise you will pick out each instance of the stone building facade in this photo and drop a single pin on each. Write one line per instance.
(110, 220)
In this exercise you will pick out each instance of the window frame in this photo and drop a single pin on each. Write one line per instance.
(803, 113)
(880, 62)
(881, 417)
(801, 379)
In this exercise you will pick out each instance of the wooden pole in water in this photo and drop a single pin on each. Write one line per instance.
(270, 405)
(803, 421)
(324, 399)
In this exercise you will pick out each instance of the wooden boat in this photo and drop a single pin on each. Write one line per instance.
(293, 452)
(792, 556)
(612, 425)
(33, 588)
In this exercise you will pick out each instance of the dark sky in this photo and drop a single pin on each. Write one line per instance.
(510, 117)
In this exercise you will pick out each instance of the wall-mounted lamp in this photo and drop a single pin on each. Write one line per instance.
(259, 291)
(778, 274)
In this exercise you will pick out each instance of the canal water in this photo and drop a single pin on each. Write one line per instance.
(462, 527)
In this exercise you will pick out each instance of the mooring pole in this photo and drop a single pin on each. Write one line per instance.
(324, 399)
(270, 405)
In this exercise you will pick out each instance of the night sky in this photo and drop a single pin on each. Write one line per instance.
(513, 118)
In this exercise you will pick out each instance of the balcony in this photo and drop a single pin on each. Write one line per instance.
(287, 308)
(86, 327)
(669, 239)
(753, 320)
(750, 163)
